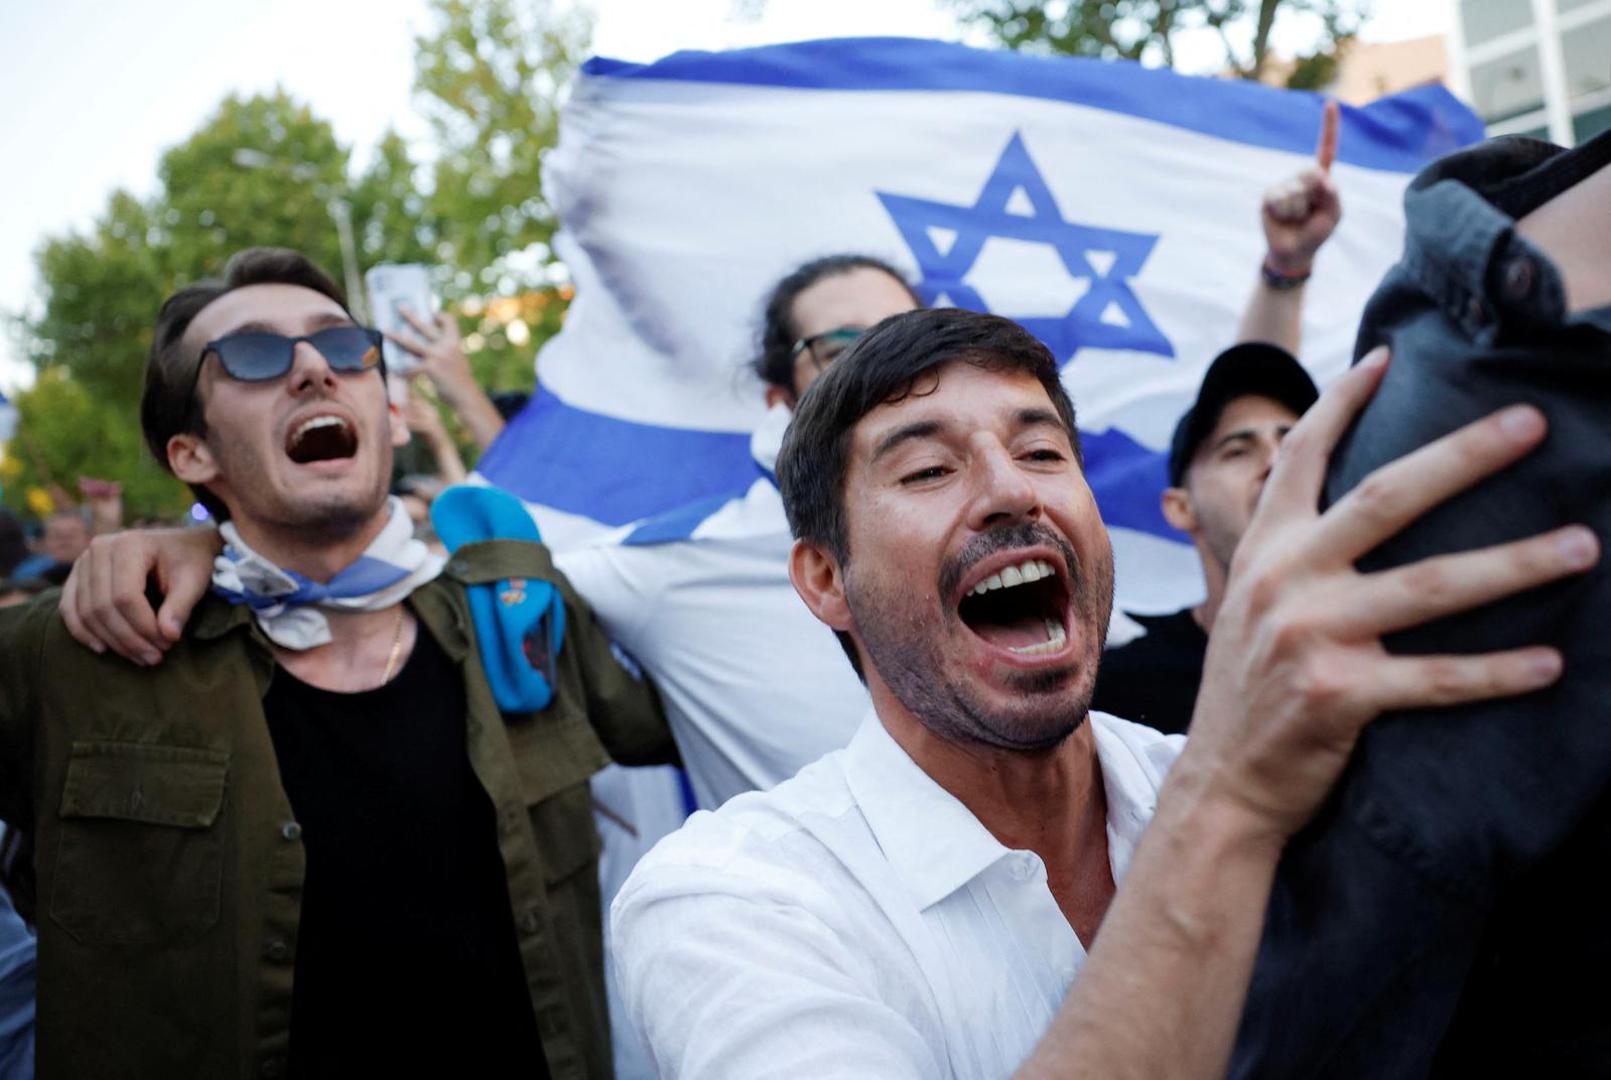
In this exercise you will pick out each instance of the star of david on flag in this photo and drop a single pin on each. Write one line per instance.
(946, 240)
(1111, 209)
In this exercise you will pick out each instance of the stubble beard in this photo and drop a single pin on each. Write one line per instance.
(317, 519)
(903, 646)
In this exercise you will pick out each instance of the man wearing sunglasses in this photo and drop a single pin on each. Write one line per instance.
(308, 842)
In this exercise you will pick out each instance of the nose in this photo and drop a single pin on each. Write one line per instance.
(1002, 493)
(310, 371)
(1269, 453)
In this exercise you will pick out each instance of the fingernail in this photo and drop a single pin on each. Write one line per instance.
(1376, 357)
(1577, 547)
(150, 658)
(1521, 421)
(1545, 667)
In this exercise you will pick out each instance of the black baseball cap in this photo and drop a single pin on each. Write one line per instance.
(1251, 369)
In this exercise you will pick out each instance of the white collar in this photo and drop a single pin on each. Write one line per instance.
(767, 439)
(936, 845)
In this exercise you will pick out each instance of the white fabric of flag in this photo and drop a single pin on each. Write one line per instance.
(1112, 209)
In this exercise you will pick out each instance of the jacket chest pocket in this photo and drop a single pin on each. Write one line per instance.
(141, 854)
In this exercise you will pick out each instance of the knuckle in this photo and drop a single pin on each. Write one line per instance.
(1377, 498)
(1445, 679)
(1431, 583)
(1320, 683)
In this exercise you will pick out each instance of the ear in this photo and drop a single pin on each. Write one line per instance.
(191, 460)
(777, 395)
(1177, 510)
(398, 425)
(820, 583)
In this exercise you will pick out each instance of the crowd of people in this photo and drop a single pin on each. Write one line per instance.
(285, 819)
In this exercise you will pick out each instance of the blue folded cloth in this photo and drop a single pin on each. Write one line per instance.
(520, 622)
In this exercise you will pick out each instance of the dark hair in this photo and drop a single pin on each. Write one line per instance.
(774, 361)
(884, 367)
(13, 545)
(167, 407)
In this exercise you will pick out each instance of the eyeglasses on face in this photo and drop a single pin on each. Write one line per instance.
(825, 347)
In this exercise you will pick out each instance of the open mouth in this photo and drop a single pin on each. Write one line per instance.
(1019, 608)
(321, 438)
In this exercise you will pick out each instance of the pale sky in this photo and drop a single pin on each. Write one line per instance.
(94, 92)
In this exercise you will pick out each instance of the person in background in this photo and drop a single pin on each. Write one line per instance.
(65, 535)
(1225, 445)
(445, 366)
(13, 543)
(18, 962)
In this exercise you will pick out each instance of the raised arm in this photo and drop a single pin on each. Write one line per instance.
(442, 361)
(1295, 670)
(1299, 215)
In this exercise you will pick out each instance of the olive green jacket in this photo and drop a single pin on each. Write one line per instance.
(170, 867)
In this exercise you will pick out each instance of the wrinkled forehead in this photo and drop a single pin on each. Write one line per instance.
(292, 310)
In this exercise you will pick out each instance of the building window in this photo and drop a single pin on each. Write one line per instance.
(1586, 51)
(1507, 86)
(1485, 20)
(1586, 125)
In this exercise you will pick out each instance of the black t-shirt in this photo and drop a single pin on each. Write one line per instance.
(407, 961)
(1153, 679)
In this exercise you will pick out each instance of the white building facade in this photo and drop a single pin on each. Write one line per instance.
(1534, 67)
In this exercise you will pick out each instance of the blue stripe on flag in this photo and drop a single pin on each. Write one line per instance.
(1126, 479)
(678, 524)
(1399, 133)
(613, 471)
(564, 457)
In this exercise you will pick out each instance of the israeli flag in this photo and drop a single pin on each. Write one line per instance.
(1110, 208)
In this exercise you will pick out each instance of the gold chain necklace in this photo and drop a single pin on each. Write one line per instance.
(397, 645)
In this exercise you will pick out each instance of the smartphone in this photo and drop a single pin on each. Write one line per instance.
(392, 288)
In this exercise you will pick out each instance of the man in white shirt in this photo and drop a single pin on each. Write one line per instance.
(919, 903)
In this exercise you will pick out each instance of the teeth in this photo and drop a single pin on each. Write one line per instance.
(1055, 637)
(315, 423)
(1026, 571)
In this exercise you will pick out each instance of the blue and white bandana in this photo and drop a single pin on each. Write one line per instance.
(287, 605)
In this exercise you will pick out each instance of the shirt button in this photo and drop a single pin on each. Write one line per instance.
(1023, 868)
(1520, 274)
(277, 950)
(291, 830)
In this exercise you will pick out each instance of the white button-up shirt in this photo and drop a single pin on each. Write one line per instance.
(859, 921)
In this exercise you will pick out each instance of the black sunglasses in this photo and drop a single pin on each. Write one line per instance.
(258, 355)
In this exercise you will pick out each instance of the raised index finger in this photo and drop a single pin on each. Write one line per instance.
(1326, 149)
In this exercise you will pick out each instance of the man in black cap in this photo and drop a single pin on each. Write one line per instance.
(1221, 454)
(1225, 445)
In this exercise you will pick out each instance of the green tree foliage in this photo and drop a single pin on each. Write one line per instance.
(64, 432)
(1147, 30)
(490, 78)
